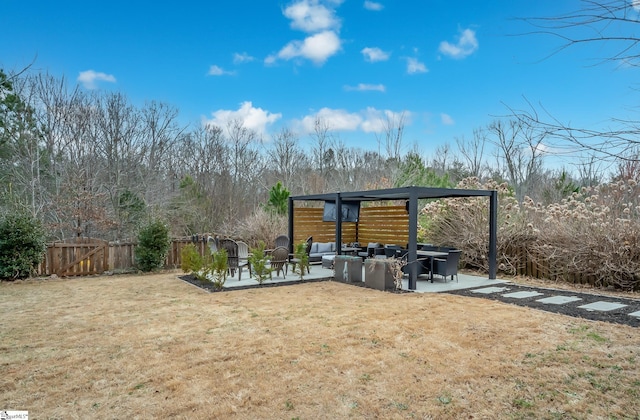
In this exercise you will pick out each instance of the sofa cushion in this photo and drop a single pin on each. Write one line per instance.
(324, 247)
(314, 248)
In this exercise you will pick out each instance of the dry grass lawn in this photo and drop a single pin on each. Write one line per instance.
(153, 346)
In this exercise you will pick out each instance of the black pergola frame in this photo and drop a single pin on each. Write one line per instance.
(412, 195)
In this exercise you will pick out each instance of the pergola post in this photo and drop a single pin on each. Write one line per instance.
(493, 234)
(412, 254)
(290, 227)
(338, 224)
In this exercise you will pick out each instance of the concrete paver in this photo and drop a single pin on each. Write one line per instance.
(559, 300)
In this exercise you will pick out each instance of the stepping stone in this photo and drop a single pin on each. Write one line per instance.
(522, 295)
(636, 314)
(602, 306)
(558, 300)
(489, 290)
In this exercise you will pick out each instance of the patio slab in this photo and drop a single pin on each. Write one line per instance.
(522, 295)
(559, 300)
(490, 290)
(602, 306)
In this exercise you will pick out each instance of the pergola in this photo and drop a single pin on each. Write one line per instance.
(411, 195)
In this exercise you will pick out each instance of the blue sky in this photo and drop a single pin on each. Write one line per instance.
(448, 66)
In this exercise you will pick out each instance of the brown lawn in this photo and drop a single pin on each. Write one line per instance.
(153, 346)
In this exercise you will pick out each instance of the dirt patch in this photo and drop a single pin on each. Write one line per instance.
(154, 346)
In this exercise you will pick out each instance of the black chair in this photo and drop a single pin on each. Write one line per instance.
(447, 266)
(370, 251)
(390, 251)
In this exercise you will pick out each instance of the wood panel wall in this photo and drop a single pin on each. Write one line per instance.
(386, 225)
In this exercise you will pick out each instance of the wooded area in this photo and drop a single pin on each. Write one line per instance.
(92, 164)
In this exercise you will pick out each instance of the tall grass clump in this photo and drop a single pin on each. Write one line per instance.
(262, 225)
(592, 236)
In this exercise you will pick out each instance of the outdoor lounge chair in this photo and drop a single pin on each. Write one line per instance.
(447, 266)
(282, 240)
(231, 247)
(243, 257)
(279, 259)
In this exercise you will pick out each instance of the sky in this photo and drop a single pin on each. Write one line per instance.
(446, 67)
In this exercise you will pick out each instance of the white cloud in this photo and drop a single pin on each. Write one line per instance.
(256, 119)
(218, 71)
(414, 66)
(239, 58)
(90, 78)
(317, 18)
(317, 48)
(369, 120)
(466, 45)
(372, 5)
(311, 16)
(365, 87)
(446, 119)
(375, 54)
(376, 121)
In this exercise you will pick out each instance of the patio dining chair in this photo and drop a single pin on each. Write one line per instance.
(447, 266)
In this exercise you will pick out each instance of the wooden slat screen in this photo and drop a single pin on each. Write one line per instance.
(386, 225)
(308, 222)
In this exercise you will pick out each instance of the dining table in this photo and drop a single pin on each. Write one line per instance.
(432, 255)
(349, 250)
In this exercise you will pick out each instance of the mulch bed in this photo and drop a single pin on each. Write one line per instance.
(208, 286)
(618, 316)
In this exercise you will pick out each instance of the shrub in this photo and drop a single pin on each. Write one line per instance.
(302, 256)
(217, 270)
(22, 245)
(259, 263)
(153, 245)
(192, 261)
(591, 236)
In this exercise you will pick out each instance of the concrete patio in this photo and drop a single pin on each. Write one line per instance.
(317, 272)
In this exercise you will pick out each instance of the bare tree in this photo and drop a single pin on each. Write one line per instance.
(392, 135)
(322, 144)
(473, 152)
(286, 160)
(606, 25)
(521, 150)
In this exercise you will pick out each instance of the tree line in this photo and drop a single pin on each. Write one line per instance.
(93, 164)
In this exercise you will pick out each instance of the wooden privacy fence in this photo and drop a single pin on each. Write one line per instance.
(88, 256)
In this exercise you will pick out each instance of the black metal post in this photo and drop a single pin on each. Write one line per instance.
(493, 235)
(412, 255)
